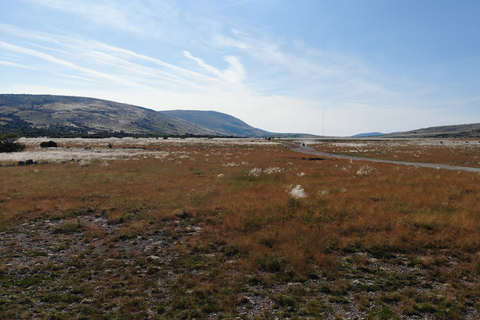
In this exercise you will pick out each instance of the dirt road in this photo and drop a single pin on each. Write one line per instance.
(309, 150)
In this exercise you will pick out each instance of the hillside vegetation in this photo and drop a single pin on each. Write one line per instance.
(41, 115)
(62, 116)
(453, 131)
(221, 123)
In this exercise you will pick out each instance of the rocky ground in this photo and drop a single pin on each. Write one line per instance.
(85, 267)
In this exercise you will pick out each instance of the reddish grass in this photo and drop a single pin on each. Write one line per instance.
(253, 220)
(392, 208)
(442, 151)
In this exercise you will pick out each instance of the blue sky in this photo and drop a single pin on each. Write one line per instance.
(324, 67)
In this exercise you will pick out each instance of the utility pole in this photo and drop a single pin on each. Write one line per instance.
(323, 120)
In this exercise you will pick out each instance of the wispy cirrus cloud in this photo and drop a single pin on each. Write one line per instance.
(27, 34)
(17, 65)
(306, 71)
(152, 18)
(235, 73)
(297, 68)
(181, 74)
(64, 63)
(94, 58)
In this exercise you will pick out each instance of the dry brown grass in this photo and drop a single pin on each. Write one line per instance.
(456, 152)
(243, 221)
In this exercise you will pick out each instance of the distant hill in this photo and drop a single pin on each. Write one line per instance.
(220, 123)
(52, 115)
(65, 115)
(369, 134)
(453, 131)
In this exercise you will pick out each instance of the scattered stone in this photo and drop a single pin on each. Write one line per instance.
(153, 258)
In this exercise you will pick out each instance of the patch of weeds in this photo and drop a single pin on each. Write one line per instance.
(439, 275)
(448, 310)
(78, 290)
(196, 171)
(50, 266)
(252, 222)
(196, 305)
(363, 302)
(285, 302)
(80, 211)
(272, 264)
(325, 288)
(232, 250)
(413, 262)
(389, 298)
(62, 297)
(391, 282)
(286, 275)
(316, 307)
(206, 248)
(194, 262)
(132, 230)
(380, 251)
(28, 282)
(114, 219)
(300, 291)
(6, 280)
(60, 247)
(268, 242)
(335, 289)
(53, 215)
(293, 205)
(366, 287)
(198, 198)
(339, 299)
(252, 280)
(184, 215)
(160, 308)
(419, 309)
(383, 313)
(37, 253)
(69, 227)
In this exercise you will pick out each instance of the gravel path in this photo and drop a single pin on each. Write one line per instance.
(309, 150)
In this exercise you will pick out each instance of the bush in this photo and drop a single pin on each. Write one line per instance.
(8, 143)
(48, 144)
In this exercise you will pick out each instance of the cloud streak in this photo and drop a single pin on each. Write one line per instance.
(235, 73)
(16, 65)
(54, 60)
(143, 18)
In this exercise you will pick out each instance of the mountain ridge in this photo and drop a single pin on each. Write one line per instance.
(221, 123)
(55, 115)
(74, 116)
(71, 115)
(471, 130)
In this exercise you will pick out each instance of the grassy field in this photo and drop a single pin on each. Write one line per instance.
(452, 152)
(228, 229)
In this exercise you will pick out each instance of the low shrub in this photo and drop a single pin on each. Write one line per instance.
(8, 143)
(48, 144)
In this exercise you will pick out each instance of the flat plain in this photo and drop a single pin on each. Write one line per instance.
(239, 228)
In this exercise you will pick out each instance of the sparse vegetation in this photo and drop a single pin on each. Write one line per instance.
(48, 144)
(210, 229)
